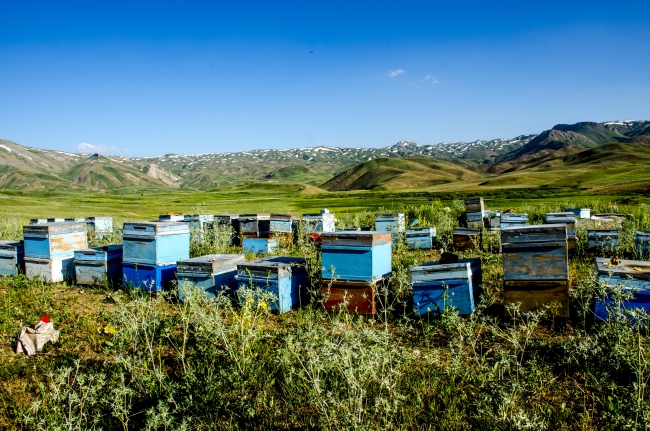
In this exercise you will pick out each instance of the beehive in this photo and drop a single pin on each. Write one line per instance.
(12, 257)
(319, 223)
(75, 220)
(511, 220)
(495, 220)
(209, 274)
(475, 220)
(231, 220)
(356, 256)
(173, 217)
(51, 270)
(602, 240)
(437, 286)
(37, 220)
(474, 205)
(567, 218)
(359, 297)
(156, 242)
(151, 278)
(284, 277)
(642, 244)
(632, 276)
(466, 238)
(97, 264)
(393, 222)
(259, 245)
(198, 222)
(536, 267)
(581, 213)
(55, 220)
(283, 223)
(254, 225)
(100, 226)
(54, 240)
(421, 238)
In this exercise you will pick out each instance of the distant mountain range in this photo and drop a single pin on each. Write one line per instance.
(24, 167)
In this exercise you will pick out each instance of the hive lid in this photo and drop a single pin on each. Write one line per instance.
(556, 232)
(281, 265)
(637, 269)
(54, 228)
(356, 238)
(11, 245)
(211, 263)
(149, 228)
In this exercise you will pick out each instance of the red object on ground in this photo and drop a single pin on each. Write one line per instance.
(45, 319)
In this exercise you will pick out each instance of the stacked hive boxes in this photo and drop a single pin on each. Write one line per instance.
(94, 265)
(437, 286)
(536, 267)
(567, 218)
(421, 238)
(151, 250)
(254, 231)
(49, 249)
(467, 238)
(12, 257)
(231, 221)
(282, 227)
(100, 226)
(474, 213)
(631, 276)
(495, 220)
(642, 244)
(395, 223)
(354, 265)
(316, 224)
(208, 274)
(513, 220)
(602, 240)
(199, 222)
(283, 277)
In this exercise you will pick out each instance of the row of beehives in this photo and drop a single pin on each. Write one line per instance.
(355, 265)
(97, 225)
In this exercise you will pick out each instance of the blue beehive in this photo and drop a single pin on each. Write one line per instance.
(152, 278)
(51, 270)
(513, 220)
(175, 217)
(393, 222)
(283, 223)
(156, 242)
(209, 274)
(284, 277)
(100, 225)
(199, 221)
(94, 265)
(421, 238)
(356, 256)
(12, 257)
(567, 218)
(437, 286)
(580, 212)
(475, 220)
(54, 240)
(642, 244)
(254, 225)
(259, 245)
(632, 276)
(602, 240)
(229, 220)
(319, 223)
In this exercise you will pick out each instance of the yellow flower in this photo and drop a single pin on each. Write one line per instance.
(109, 329)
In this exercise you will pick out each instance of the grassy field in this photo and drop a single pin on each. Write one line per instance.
(128, 361)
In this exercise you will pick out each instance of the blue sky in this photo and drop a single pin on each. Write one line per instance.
(150, 78)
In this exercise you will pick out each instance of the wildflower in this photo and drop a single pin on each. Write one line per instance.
(109, 329)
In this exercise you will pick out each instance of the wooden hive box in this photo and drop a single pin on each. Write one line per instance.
(76, 220)
(283, 223)
(510, 220)
(567, 218)
(393, 222)
(602, 240)
(438, 286)
(175, 217)
(37, 220)
(55, 220)
(581, 213)
(94, 265)
(259, 245)
(474, 205)
(642, 244)
(632, 276)
(100, 225)
(254, 225)
(147, 277)
(475, 220)
(231, 220)
(495, 220)
(467, 238)
(51, 270)
(198, 222)
(356, 256)
(54, 240)
(156, 242)
(357, 297)
(208, 274)
(536, 267)
(12, 258)
(319, 223)
(421, 238)
(284, 277)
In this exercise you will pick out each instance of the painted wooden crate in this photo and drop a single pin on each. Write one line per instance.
(474, 205)
(54, 240)
(259, 245)
(421, 238)
(582, 213)
(100, 225)
(52, 270)
(437, 286)
(12, 257)
(37, 220)
(356, 256)
(358, 297)
(536, 267)
(495, 220)
(156, 242)
(511, 219)
(632, 276)
(175, 217)
(151, 278)
(231, 220)
(283, 223)
(567, 218)
(97, 264)
(208, 274)
(319, 223)
(393, 222)
(254, 225)
(602, 240)
(475, 220)
(284, 277)
(642, 244)
(466, 238)
(198, 222)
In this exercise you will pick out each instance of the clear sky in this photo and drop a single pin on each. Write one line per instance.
(150, 78)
